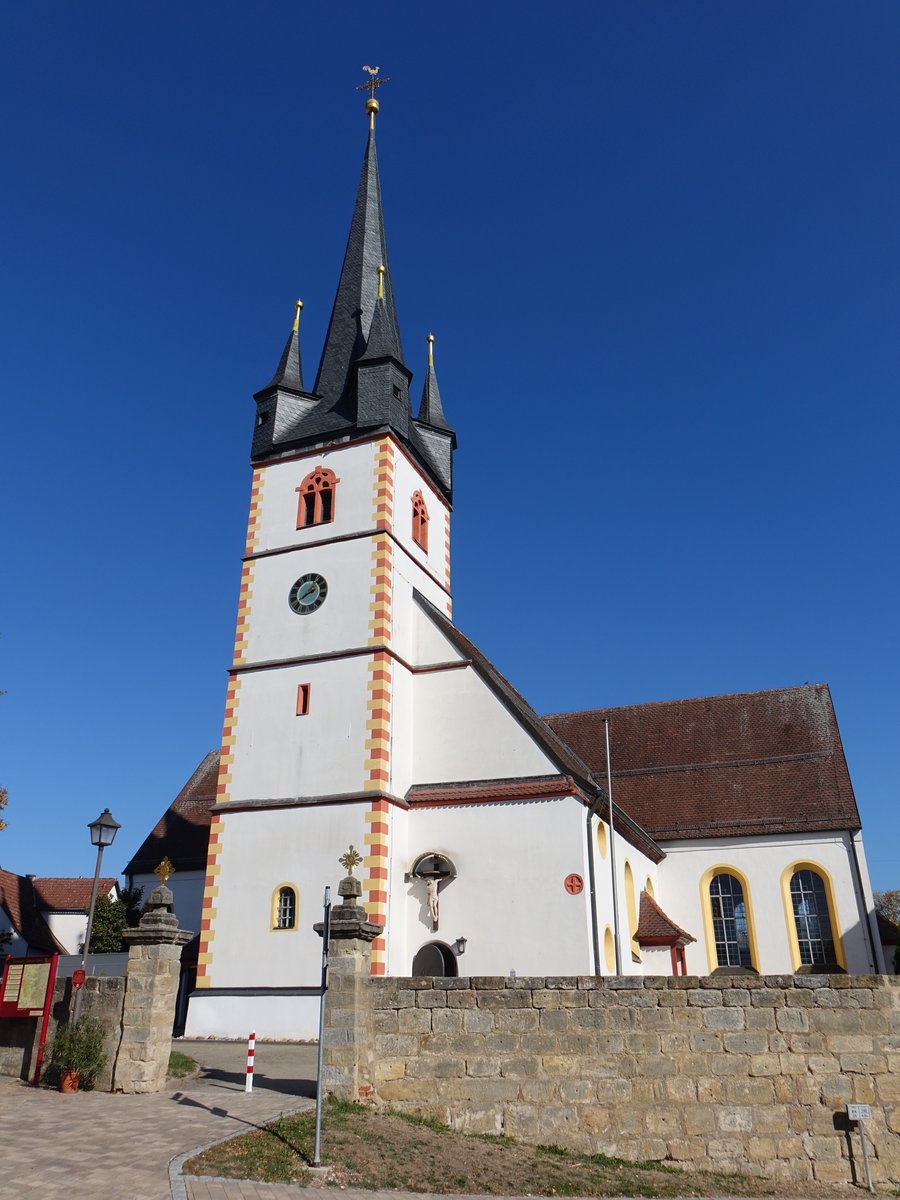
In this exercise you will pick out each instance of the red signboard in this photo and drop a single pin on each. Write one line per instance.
(78, 978)
(27, 991)
(573, 884)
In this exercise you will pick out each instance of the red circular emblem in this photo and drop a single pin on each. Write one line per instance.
(573, 884)
(78, 978)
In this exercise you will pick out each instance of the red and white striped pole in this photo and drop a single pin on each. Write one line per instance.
(251, 1050)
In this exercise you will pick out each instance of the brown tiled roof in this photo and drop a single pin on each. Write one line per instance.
(655, 928)
(17, 901)
(489, 791)
(182, 832)
(69, 895)
(752, 763)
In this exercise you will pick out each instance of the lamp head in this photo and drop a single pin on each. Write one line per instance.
(104, 830)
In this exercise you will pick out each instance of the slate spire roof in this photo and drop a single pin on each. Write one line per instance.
(354, 304)
(431, 411)
(363, 383)
(289, 373)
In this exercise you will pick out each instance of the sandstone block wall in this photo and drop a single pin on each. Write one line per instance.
(750, 1074)
(103, 999)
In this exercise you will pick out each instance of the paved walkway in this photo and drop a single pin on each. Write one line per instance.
(120, 1147)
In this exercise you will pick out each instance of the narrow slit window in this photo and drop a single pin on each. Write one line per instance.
(302, 699)
(316, 498)
(420, 521)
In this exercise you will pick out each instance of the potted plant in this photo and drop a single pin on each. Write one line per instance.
(78, 1054)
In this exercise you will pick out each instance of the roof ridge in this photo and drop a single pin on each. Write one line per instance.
(583, 712)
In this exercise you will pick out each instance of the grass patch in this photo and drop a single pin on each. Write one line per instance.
(180, 1065)
(371, 1149)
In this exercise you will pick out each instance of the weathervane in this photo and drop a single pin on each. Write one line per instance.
(373, 83)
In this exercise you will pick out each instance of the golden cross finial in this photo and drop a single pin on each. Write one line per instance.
(430, 341)
(381, 281)
(350, 860)
(370, 86)
(164, 870)
(298, 304)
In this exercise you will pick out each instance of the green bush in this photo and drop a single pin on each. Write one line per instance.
(80, 1048)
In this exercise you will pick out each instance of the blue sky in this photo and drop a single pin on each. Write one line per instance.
(658, 247)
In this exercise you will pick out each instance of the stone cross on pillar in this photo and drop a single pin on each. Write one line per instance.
(151, 989)
(348, 1016)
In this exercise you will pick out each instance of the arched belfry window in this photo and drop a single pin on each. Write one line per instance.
(815, 939)
(419, 521)
(729, 918)
(316, 498)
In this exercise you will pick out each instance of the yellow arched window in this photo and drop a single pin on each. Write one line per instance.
(728, 920)
(631, 906)
(601, 839)
(811, 913)
(284, 907)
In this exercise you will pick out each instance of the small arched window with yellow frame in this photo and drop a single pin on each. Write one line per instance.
(631, 908)
(284, 907)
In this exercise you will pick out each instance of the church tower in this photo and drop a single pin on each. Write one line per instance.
(349, 517)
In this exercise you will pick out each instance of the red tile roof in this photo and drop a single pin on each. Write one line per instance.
(182, 832)
(655, 928)
(490, 791)
(752, 763)
(18, 902)
(69, 895)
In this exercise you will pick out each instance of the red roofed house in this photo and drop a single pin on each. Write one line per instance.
(358, 713)
(44, 916)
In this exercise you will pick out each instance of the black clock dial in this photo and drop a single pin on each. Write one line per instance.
(308, 594)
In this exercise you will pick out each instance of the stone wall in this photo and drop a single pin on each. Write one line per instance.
(103, 998)
(738, 1073)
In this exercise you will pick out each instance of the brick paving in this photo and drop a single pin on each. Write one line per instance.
(120, 1147)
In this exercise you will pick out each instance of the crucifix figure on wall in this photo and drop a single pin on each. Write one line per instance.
(431, 895)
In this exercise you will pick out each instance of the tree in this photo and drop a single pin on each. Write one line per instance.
(888, 903)
(3, 798)
(112, 917)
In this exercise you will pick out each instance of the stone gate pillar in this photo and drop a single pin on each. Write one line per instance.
(347, 1043)
(151, 988)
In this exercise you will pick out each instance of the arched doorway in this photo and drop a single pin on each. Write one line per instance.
(436, 960)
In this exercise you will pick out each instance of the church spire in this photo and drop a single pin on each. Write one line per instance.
(431, 411)
(357, 293)
(289, 372)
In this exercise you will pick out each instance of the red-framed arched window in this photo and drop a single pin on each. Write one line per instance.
(419, 521)
(316, 498)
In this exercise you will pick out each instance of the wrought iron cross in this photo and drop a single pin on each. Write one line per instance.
(373, 81)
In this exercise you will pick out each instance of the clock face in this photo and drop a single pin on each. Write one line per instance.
(308, 594)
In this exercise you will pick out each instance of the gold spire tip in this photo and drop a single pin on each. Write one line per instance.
(430, 341)
(298, 304)
(381, 281)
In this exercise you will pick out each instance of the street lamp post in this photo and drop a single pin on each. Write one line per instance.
(103, 833)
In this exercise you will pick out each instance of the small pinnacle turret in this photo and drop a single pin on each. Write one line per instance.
(431, 410)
